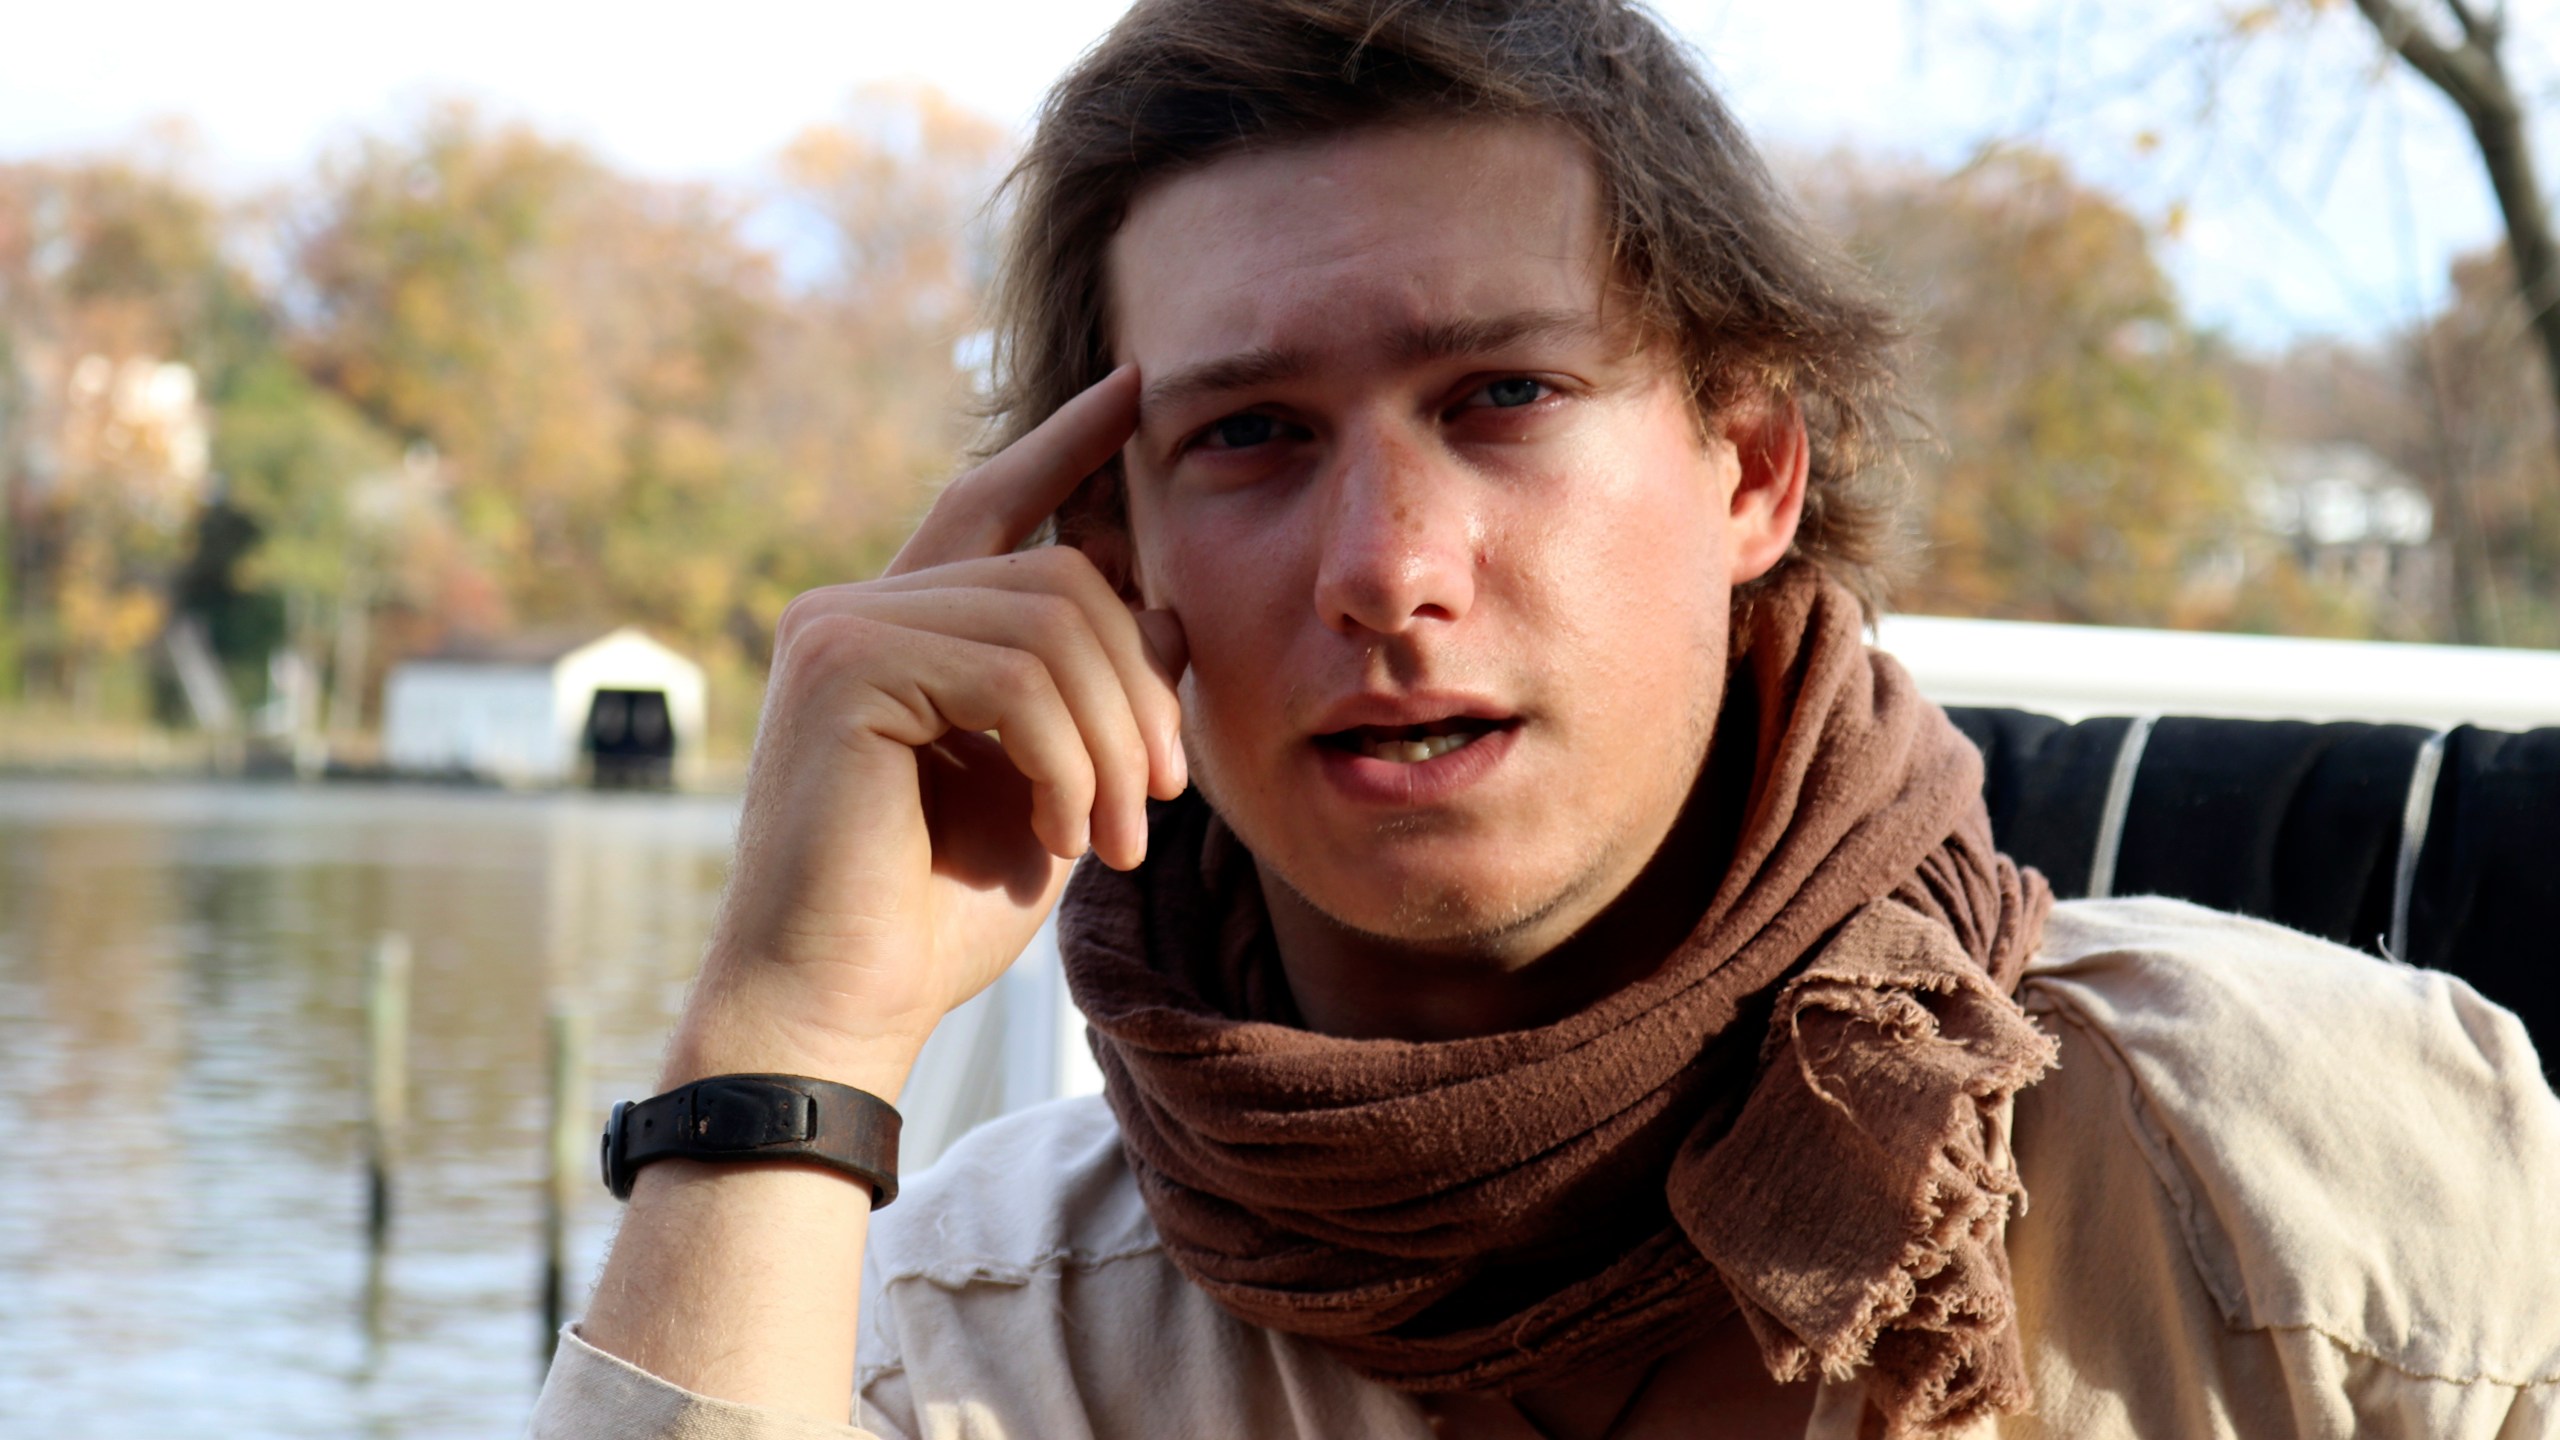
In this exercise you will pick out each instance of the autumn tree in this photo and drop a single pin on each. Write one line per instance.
(423, 262)
(2078, 462)
(2490, 452)
(480, 379)
(862, 396)
(326, 497)
(640, 412)
(2270, 99)
(2498, 337)
(117, 307)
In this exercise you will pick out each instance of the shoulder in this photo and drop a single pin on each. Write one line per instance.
(2343, 1146)
(1043, 1189)
(2142, 954)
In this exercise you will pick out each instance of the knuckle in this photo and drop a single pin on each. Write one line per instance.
(1019, 675)
(824, 644)
(808, 608)
(1058, 622)
(795, 617)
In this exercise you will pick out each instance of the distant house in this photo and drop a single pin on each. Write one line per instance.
(2355, 520)
(547, 709)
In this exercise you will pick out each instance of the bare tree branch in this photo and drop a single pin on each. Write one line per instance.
(2474, 24)
(2475, 79)
(2470, 76)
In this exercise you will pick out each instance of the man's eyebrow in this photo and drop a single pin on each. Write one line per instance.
(1450, 339)
(1429, 340)
(1241, 371)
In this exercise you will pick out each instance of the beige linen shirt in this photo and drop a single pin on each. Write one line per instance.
(2277, 1188)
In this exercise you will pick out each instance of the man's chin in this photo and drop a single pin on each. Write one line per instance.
(1442, 908)
(1455, 880)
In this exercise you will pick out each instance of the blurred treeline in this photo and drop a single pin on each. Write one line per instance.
(462, 379)
(465, 378)
(2094, 456)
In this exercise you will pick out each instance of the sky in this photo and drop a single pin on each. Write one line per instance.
(2325, 196)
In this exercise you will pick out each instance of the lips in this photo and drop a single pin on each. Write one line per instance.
(1404, 751)
(1412, 744)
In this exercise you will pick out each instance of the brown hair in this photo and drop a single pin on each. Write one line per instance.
(1721, 262)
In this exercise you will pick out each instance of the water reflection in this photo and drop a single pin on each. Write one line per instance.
(181, 1023)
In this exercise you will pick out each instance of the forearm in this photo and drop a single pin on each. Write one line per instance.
(742, 1281)
(937, 748)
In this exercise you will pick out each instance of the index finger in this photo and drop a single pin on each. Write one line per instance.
(997, 506)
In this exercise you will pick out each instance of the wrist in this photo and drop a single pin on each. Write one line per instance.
(715, 1039)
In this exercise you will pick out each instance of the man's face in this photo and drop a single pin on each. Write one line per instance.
(1451, 548)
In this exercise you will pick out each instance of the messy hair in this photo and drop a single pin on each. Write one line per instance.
(1722, 266)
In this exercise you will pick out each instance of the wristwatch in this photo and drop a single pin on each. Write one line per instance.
(758, 1117)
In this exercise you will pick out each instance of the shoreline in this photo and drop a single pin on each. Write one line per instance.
(56, 750)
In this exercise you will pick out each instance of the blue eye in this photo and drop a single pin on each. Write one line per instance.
(1243, 432)
(1513, 393)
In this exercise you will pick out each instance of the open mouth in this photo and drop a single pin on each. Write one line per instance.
(1413, 744)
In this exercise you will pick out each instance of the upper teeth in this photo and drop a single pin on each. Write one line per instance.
(1414, 752)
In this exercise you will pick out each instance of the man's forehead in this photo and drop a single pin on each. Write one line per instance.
(1408, 241)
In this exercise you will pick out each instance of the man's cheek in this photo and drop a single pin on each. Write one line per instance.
(1212, 707)
(1231, 756)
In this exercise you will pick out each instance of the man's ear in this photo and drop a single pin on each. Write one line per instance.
(1776, 460)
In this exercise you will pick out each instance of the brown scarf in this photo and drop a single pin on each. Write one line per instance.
(1802, 1113)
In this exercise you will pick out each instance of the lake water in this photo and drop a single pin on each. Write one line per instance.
(182, 1195)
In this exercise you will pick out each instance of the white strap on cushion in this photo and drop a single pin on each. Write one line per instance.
(2102, 863)
(2415, 811)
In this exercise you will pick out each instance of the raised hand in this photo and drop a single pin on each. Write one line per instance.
(937, 746)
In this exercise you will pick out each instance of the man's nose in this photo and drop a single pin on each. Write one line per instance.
(1400, 538)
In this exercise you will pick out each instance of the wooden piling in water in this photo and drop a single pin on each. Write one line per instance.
(386, 1028)
(573, 1162)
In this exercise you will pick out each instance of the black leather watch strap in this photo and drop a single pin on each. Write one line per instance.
(758, 1117)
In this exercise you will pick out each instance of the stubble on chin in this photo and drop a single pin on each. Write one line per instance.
(1445, 915)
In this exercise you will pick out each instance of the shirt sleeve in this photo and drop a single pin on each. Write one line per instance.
(590, 1395)
(2279, 1189)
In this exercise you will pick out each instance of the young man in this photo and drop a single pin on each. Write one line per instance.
(1564, 986)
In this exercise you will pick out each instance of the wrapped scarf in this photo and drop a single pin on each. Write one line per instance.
(1801, 1113)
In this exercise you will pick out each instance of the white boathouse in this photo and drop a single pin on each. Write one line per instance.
(616, 708)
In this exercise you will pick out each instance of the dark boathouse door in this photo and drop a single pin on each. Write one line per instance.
(630, 742)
